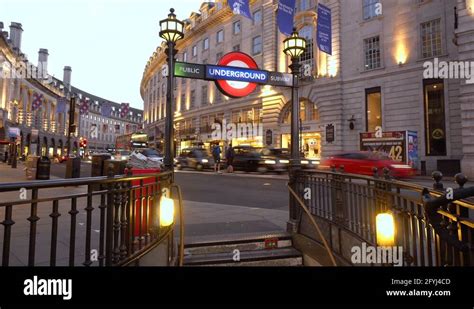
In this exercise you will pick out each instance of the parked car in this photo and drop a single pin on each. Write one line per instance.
(363, 162)
(121, 155)
(196, 158)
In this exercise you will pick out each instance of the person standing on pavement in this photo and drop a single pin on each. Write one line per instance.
(229, 156)
(216, 153)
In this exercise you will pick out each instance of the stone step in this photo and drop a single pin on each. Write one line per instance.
(230, 243)
(270, 257)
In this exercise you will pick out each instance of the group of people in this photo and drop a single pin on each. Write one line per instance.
(229, 157)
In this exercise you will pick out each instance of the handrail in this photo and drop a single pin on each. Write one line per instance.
(301, 203)
(181, 226)
(42, 184)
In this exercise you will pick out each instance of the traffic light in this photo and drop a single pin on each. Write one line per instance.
(83, 142)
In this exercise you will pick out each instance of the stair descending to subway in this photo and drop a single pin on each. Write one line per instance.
(270, 249)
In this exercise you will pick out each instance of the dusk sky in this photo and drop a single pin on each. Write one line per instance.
(106, 42)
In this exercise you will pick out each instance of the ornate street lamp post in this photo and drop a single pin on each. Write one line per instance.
(171, 32)
(294, 46)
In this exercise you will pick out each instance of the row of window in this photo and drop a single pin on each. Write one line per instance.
(430, 38)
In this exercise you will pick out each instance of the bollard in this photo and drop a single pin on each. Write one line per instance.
(437, 177)
(43, 168)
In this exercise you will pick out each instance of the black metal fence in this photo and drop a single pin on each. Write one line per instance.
(97, 221)
(433, 227)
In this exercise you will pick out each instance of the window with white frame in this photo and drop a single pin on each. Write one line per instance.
(257, 17)
(205, 44)
(220, 36)
(304, 5)
(307, 58)
(370, 8)
(236, 27)
(372, 53)
(257, 45)
(431, 38)
(195, 51)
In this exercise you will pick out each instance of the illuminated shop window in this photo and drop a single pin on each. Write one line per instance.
(373, 98)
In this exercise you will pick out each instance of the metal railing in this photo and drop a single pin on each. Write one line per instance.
(433, 227)
(96, 221)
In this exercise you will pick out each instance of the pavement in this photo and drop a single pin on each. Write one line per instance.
(215, 205)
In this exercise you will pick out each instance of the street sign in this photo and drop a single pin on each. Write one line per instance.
(13, 132)
(330, 133)
(280, 79)
(189, 70)
(268, 137)
(244, 81)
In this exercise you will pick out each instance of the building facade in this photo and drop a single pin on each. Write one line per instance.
(374, 81)
(38, 104)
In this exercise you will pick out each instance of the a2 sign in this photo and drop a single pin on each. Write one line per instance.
(236, 74)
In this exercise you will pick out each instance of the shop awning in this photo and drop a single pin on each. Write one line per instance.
(3, 137)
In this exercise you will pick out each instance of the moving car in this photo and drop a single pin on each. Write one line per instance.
(275, 160)
(363, 162)
(196, 158)
(64, 158)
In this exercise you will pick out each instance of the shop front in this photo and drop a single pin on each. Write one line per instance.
(310, 141)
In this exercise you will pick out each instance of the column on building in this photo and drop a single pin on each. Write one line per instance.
(465, 40)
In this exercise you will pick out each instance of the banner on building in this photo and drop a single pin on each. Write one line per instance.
(94, 129)
(324, 32)
(61, 108)
(124, 109)
(37, 101)
(84, 108)
(240, 7)
(106, 109)
(285, 15)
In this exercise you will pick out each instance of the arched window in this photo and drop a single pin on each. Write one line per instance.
(308, 112)
(307, 58)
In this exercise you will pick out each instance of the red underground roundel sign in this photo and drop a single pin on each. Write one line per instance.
(236, 89)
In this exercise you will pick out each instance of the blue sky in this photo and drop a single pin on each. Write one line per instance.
(106, 42)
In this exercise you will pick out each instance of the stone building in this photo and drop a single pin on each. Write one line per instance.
(375, 79)
(23, 84)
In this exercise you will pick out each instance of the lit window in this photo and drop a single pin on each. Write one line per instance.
(373, 98)
(372, 53)
(431, 38)
(307, 58)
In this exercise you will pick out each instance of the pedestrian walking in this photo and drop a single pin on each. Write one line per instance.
(216, 153)
(229, 156)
